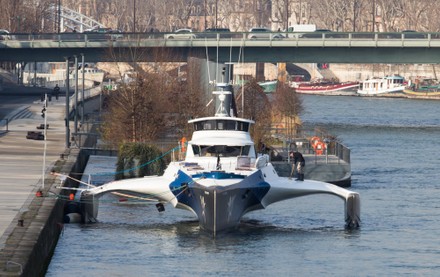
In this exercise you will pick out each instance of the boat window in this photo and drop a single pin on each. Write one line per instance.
(223, 150)
(221, 125)
(243, 126)
(196, 149)
(209, 125)
(225, 125)
(198, 126)
(245, 150)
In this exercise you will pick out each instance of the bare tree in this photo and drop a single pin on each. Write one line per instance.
(147, 15)
(287, 107)
(23, 15)
(257, 107)
(391, 14)
(417, 14)
(187, 99)
(238, 15)
(136, 111)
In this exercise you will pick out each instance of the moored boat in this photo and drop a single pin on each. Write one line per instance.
(387, 84)
(423, 87)
(269, 86)
(323, 87)
(221, 178)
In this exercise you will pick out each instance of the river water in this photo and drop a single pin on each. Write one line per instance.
(394, 151)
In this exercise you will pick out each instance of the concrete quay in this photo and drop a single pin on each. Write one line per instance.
(30, 225)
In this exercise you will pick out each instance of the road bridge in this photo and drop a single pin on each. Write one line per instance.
(394, 48)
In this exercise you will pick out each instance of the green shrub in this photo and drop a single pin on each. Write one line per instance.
(139, 159)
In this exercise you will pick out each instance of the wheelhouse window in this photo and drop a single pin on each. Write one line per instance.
(221, 150)
(221, 125)
(243, 126)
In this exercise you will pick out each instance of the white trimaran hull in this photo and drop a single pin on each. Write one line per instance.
(221, 179)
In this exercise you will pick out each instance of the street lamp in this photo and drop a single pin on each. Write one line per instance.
(205, 16)
(59, 16)
(216, 8)
(134, 16)
(374, 15)
(67, 103)
(287, 15)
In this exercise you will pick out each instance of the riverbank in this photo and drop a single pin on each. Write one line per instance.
(32, 207)
(31, 214)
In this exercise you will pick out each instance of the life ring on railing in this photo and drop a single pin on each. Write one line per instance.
(183, 145)
(320, 147)
(314, 141)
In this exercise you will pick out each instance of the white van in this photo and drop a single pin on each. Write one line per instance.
(296, 31)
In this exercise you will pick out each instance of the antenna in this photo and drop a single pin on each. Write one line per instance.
(207, 61)
(221, 111)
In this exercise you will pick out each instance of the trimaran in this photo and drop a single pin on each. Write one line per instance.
(221, 177)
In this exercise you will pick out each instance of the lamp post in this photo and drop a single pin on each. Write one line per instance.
(205, 16)
(82, 91)
(59, 16)
(216, 12)
(44, 114)
(287, 15)
(354, 15)
(374, 15)
(134, 16)
(76, 97)
(67, 104)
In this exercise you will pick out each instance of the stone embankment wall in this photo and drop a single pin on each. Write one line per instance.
(350, 72)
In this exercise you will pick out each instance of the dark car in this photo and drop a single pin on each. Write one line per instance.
(213, 32)
(406, 34)
(102, 33)
(318, 33)
(413, 34)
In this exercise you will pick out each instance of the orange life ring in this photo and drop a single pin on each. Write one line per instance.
(314, 141)
(320, 147)
(183, 145)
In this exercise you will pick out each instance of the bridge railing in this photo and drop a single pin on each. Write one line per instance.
(198, 36)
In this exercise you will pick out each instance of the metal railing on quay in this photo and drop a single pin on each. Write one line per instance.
(330, 150)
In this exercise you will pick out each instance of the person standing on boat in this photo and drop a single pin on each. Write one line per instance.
(298, 163)
(56, 91)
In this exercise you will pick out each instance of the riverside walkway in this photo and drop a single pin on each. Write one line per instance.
(23, 215)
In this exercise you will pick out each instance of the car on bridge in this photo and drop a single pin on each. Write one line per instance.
(319, 33)
(181, 34)
(4, 35)
(213, 32)
(102, 33)
(413, 34)
(263, 33)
